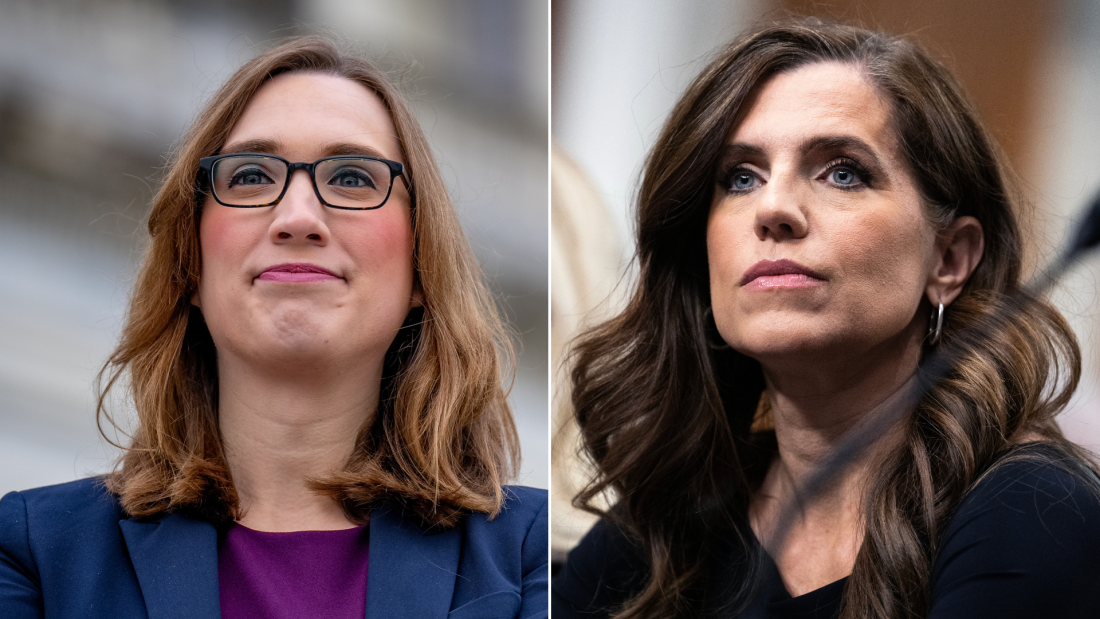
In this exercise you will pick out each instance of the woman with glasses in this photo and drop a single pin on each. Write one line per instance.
(314, 362)
(822, 221)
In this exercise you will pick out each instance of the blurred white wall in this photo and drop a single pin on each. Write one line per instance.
(93, 94)
(620, 66)
(1067, 176)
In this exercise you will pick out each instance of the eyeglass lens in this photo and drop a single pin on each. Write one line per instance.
(255, 181)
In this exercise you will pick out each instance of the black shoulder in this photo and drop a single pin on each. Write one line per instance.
(1038, 485)
(1024, 542)
(601, 574)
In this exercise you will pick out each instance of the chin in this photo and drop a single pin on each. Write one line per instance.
(788, 347)
(295, 334)
(302, 344)
(777, 334)
(301, 348)
(298, 322)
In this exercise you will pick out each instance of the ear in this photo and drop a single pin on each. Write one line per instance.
(958, 251)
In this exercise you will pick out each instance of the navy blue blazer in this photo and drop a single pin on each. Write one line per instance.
(70, 551)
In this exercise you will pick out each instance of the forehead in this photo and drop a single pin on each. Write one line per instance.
(827, 98)
(303, 112)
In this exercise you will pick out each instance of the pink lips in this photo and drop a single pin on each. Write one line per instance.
(298, 272)
(771, 274)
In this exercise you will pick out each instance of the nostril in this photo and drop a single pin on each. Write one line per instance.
(786, 228)
(284, 235)
(314, 237)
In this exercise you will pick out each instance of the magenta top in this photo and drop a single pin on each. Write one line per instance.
(297, 575)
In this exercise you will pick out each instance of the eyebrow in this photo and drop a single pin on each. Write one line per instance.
(345, 148)
(274, 147)
(746, 151)
(270, 147)
(843, 142)
(742, 150)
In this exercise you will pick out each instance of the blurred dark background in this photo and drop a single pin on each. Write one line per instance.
(95, 93)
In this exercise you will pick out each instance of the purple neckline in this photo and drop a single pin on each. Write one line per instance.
(323, 531)
(293, 574)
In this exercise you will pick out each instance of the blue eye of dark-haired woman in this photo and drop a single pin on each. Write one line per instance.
(843, 176)
(847, 174)
(738, 180)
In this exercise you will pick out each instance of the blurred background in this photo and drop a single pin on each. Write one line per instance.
(94, 94)
(1031, 66)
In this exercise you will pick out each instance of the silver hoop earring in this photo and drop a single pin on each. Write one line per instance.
(934, 331)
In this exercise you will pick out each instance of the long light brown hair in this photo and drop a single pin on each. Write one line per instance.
(442, 440)
(667, 411)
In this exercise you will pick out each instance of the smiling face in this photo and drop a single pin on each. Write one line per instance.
(817, 243)
(300, 283)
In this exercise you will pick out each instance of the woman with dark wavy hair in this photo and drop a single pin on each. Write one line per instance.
(314, 361)
(821, 213)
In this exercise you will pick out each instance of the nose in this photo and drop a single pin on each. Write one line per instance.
(781, 210)
(299, 216)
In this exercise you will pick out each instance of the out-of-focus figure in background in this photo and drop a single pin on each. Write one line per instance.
(586, 262)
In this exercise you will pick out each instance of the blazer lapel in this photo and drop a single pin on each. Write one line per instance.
(176, 560)
(411, 572)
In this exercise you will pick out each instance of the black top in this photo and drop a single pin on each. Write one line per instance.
(1024, 543)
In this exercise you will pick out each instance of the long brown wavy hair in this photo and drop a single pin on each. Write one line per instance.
(442, 440)
(667, 415)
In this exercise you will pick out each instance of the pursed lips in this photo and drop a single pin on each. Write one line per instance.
(297, 272)
(781, 273)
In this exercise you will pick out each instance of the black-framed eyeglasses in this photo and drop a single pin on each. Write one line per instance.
(253, 180)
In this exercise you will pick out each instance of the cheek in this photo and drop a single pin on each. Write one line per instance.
(224, 241)
(383, 247)
(724, 249)
(215, 246)
(885, 261)
(884, 247)
(215, 234)
(726, 266)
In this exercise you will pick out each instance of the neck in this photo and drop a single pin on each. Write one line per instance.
(813, 409)
(282, 430)
(810, 424)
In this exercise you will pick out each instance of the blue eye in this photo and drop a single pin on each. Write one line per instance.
(249, 176)
(740, 180)
(844, 177)
(352, 178)
(847, 173)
